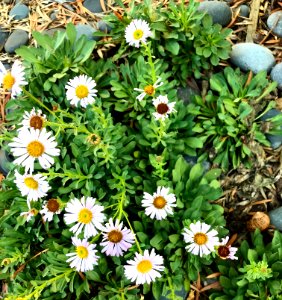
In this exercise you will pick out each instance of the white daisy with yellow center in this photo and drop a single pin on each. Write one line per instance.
(33, 144)
(201, 238)
(149, 89)
(137, 32)
(33, 186)
(144, 268)
(160, 204)
(33, 119)
(84, 258)
(80, 90)
(50, 208)
(163, 108)
(116, 239)
(86, 214)
(12, 80)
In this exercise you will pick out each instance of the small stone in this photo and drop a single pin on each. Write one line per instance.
(244, 11)
(103, 26)
(219, 11)
(85, 29)
(193, 160)
(5, 162)
(276, 74)
(93, 5)
(252, 57)
(186, 94)
(3, 38)
(276, 218)
(51, 32)
(53, 16)
(274, 22)
(16, 39)
(275, 140)
(19, 11)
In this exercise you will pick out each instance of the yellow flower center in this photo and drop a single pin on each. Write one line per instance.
(31, 183)
(35, 149)
(162, 108)
(159, 202)
(8, 81)
(200, 238)
(149, 90)
(82, 252)
(36, 122)
(144, 266)
(85, 216)
(137, 34)
(115, 236)
(53, 205)
(81, 91)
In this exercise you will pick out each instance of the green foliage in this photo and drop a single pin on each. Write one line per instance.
(258, 275)
(182, 35)
(227, 118)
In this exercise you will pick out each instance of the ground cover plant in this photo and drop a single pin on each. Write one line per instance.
(100, 201)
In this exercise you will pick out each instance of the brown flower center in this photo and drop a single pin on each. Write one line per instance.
(162, 108)
(223, 251)
(159, 202)
(53, 205)
(36, 122)
(115, 236)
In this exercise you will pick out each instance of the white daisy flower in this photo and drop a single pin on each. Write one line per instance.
(201, 239)
(12, 80)
(86, 214)
(148, 89)
(137, 31)
(144, 268)
(81, 90)
(84, 258)
(50, 208)
(32, 186)
(33, 119)
(29, 214)
(225, 251)
(160, 204)
(115, 239)
(32, 144)
(163, 108)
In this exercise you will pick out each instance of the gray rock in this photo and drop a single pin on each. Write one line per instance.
(275, 140)
(186, 94)
(19, 11)
(16, 39)
(5, 162)
(274, 22)
(244, 11)
(103, 26)
(3, 38)
(276, 217)
(93, 5)
(252, 57)
(193, 160)
(219, 11)
(85, 29)
(52, 31)
(276, 74)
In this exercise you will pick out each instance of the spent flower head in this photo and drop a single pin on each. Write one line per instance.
(148, 89)
(163, 107)
(50, 208)
(33, 119)
(225, 251)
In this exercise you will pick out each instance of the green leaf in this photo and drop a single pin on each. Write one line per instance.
(71, 32)
(172, 46)
(157, 241)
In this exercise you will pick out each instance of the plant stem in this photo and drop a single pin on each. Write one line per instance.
(150, 62)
